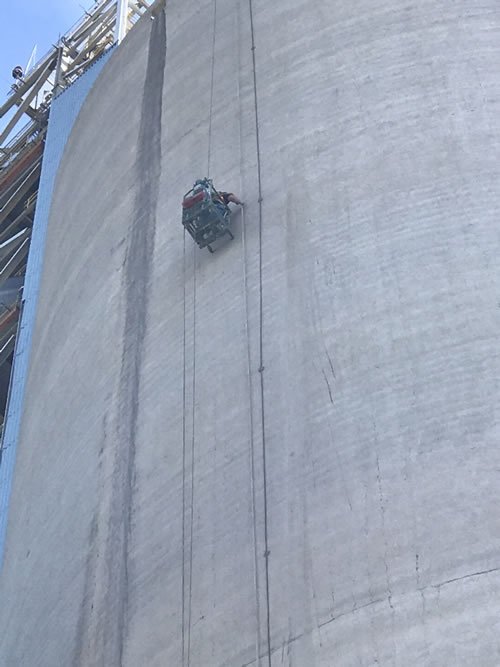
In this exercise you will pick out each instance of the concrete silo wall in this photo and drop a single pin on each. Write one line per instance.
(287, 452)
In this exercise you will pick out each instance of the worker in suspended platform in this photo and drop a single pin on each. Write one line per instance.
(222, 199)
(206, 214)
(225, 197)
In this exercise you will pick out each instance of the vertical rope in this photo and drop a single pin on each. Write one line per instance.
(184, 463)
(261, 340)
(258, 649)
(212, 90)
(194, 356)
(252, 450)
(192, 463)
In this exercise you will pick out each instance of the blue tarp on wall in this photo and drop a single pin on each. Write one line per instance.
(63, 113)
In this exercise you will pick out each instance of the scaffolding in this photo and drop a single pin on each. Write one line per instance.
(22, 142)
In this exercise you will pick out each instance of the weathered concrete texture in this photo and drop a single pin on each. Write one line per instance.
(288, 449)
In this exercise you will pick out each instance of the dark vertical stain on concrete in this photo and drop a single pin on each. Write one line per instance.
(82, 629)
(137, 276)
(109, 622)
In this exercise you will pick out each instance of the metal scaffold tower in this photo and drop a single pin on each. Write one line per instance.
(22, 140)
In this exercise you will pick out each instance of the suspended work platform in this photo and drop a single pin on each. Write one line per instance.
(204, 216)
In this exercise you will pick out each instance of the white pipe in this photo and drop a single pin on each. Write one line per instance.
(121, 20)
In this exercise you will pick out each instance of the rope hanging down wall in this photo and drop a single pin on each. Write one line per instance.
(261, 341)
(187, 572)
(187, 614)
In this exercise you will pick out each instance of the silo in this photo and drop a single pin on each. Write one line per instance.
(285, 452)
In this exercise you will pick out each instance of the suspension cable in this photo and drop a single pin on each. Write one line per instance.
(261, 338)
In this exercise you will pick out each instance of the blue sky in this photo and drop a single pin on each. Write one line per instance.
(24, 23)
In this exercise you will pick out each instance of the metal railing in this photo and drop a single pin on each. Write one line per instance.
(12, 149)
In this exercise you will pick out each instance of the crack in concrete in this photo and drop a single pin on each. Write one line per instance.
(329, 388)
(295, 638)
(480, 573)
(357, 609)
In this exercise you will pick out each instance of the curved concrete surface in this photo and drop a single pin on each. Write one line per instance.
(287, 452)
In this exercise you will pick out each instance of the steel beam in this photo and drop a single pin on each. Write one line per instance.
(22, 218)
(12, 265)
(94, 43)
(8, 347)
(43, 78)
(81, 30)
(29, 81)
(94, 24)
(135, 7)
(25, 160)
(21, 191)
(17, 143)
(8, 247)
(121, 20)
